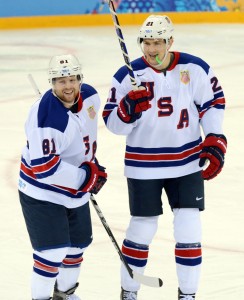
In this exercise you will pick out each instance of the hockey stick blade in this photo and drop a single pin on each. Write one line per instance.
(141, 278)
(147, 280)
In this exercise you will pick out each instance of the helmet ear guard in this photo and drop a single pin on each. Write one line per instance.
(64, 66)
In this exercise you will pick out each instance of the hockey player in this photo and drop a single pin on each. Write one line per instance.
(58, 172)
(165, 150)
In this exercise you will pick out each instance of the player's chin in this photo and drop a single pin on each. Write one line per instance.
(152, 60)
(68, 100)
(69, 97)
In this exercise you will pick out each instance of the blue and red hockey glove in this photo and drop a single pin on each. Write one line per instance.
(213, 150)
(133, 104)
(95, 177)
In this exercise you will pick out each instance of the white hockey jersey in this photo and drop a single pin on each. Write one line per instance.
(166, 141)
(59, 140)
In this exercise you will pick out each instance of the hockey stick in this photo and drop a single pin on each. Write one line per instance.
(143, 279)
(122, 42)
(34, 85)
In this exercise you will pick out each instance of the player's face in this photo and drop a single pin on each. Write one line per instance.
(67, 89)
(152, 48)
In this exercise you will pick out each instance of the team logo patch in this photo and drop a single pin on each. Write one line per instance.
(91, 112)
(185, 77)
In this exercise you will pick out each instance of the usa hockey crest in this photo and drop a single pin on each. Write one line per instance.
(185, 77)
(91, 112)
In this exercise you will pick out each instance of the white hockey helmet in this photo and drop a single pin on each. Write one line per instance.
(156, 27)
(64, 66)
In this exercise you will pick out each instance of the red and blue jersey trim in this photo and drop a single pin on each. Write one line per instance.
(45, 166)
(163, 156)
(108, 108)
(218, 102)
(27, 174)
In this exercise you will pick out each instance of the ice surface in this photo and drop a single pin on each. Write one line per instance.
(28, 51)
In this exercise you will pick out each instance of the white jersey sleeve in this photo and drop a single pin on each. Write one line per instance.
(209, 97)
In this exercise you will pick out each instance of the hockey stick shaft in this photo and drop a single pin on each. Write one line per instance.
(34, 85)
(141, 278)
(122, 43)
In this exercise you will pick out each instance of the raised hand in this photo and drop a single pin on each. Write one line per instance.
(133, 104)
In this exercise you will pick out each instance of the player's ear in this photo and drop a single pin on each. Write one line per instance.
(171, 40)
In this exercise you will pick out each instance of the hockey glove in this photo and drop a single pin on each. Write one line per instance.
(95, 177)
(133, 104)
(214, 149)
